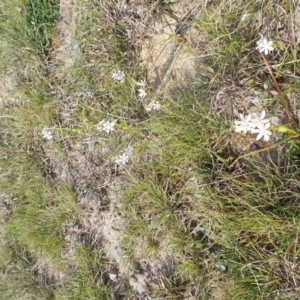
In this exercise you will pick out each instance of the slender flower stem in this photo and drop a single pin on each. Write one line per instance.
(284, 101)
(261, 150)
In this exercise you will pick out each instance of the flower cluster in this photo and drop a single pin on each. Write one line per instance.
(118, 76)
(152, 106)
(123, 158)
(263, 45)
(141, 90)
(106, 126)
(254, 124)
(47, 133)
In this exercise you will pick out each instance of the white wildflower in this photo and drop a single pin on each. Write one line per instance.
(142, 93)
(153, 106)
(106, 126)
(254, 124)
(245, 123)
(142, 83)
(123, 158)
(112, 276)
(263, 45)
(118, 75)
(262, 130)
(46, 133)
(257, 120)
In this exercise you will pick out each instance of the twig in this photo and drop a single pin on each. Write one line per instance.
(283, 100)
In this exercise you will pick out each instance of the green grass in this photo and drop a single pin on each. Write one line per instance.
(40, 17)
(191, 224)
(87, 282)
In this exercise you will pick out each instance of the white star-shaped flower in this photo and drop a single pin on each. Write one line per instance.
(262, 130)
(257, 120)
(255, 124)
(47, 133)
(123, 158)
(263, 45)
(245, 124)
(142, 93)
(141, 83)
(153, 106)
(118, 76)
(106, 126)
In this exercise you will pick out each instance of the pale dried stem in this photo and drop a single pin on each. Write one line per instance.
(283, 99)
(260, 150)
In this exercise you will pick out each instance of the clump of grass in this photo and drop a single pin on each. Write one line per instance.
(16, 273)
(161, 201)
(87, 282)
(258, 227)
(41, 17)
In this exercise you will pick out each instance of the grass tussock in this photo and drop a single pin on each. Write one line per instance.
(163, 202)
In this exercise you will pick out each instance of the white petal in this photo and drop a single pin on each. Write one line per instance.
(259, 136)
(248, 118)
(266, 137)
(141, 83)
